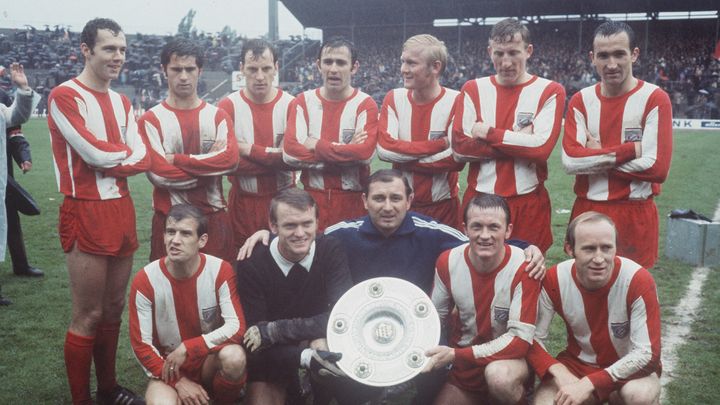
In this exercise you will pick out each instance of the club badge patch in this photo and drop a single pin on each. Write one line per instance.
(347, 135)
(501, 314)
(210, 318)
(279, 139)
(620, 329)
(633, 134)
(437, 135)
(524, 119)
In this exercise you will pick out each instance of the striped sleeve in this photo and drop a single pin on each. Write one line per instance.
(546, 126)
(576, 157)
(514, 343)
(441, 297)
(644, 355)
(466, 148)
(223, 156)
(142, 328)
(367, 119)
(68, 113)
(294, 151)
(139, 159)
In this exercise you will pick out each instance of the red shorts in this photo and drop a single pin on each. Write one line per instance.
(98, 227)
(529, 214)
(636, 222)
(335, 206)
(248, 213)
(220, 237)
(471, 379)
(444, 211)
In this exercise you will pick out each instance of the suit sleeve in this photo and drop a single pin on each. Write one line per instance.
(466, 148)
(546, 126)
(514, 343)
(20, 110)
(220, 162)
(578, 159)
(643, 357)
(69, 113)
(367, 119)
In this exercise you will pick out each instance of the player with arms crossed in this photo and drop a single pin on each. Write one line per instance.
(96, 146)
(259, 112)
(506, 125)
(192, 145)
(413, 130)
(618, 143)
(331, 135)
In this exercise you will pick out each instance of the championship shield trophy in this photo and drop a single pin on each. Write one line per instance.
(382, 327)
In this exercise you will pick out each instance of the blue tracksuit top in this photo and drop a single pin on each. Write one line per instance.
(409, 253)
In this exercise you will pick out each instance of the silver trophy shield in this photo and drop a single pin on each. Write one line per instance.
(382, 327)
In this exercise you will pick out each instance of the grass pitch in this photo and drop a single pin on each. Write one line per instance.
(32, 330)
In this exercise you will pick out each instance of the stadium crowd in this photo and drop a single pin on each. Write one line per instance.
(679, 61)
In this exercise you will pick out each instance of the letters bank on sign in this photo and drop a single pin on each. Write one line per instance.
(687, 123)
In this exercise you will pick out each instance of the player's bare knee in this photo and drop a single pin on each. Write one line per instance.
(505, 380)
(161, 401)
(319, 344)
(232, 361)
(645, 392)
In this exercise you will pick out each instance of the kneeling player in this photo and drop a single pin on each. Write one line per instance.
(496, 302)
(186, 321)
(610, 306)
(288, 290)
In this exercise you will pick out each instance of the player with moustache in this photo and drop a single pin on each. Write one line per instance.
(413, 131)
(192, 144)
(484, 287)
(96, 146)
(618, 144)
(612, 315)
(506, 125)
(259, 113)
(186, 321)
(332, 133)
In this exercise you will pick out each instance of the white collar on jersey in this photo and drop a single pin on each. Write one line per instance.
(285, 264)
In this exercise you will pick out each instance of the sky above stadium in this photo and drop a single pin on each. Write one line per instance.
(246, 17)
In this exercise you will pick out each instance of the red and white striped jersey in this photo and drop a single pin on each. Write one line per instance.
(202, 311)
(510, 162)
(95, 142)
(262, 126)
(411, 136)
(335, 164)
(613, 172)
(497, 310)
(203, 142)
(616, 328)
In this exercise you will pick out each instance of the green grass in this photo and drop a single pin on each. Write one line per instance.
(32, 330)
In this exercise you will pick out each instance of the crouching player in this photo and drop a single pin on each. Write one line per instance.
(186, 321)
(611, 311)
(496, 301)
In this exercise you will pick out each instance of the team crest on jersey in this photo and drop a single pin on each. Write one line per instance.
(279, 139)
(620, 329)
(524, 119)
(633, 134)
(207, 144)
(123, 131)
(210, 318)
(437, 134)
(501, 314)
(347, 135)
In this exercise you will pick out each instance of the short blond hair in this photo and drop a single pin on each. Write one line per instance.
(585, 217)
(433, 48)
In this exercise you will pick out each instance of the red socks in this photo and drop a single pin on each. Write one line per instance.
(78, 358)
(104, 353)
(226, 391)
